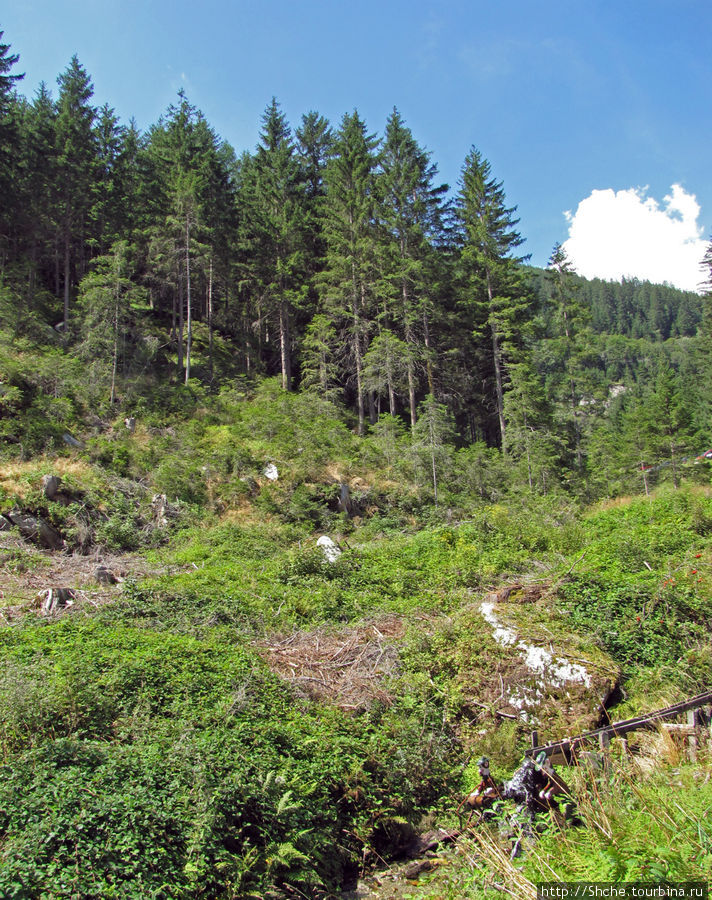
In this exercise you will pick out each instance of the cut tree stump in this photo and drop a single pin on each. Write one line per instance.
(56, 598)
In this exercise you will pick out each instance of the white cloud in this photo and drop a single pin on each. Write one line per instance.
(620, 234)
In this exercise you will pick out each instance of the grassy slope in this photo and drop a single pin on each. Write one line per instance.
(150, 748)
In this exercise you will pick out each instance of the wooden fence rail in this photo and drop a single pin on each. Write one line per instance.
(566, 747)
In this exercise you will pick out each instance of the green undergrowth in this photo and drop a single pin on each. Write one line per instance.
(271, 575)
(636, 828)
(142, 764)
(644, 589)
(635, 824)
(148, 749)
(94, 508)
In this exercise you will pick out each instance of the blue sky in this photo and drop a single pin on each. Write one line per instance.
(597, 101)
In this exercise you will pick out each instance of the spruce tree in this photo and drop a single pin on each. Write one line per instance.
(349, 279)
(496, 296)
(703, 349)
(566, 345)
(411, 218)
(314, 142)
(36, 183)
(76, 171)
(105, 214)
(105, 299)
(277, 222)
(432, 437)
(191, 183)
(9, 144)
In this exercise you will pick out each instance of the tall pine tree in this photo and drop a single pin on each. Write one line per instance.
(495, 293)
(411, 216)
(350, 274)
(76, 171)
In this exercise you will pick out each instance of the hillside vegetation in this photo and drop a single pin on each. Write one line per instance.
(211, 362)
(239, 713)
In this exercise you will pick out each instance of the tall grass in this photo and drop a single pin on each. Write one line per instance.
(645, 817)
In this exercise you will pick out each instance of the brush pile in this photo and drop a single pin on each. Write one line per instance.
(349, 667)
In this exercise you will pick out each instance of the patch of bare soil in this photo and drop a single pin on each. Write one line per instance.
(27, 572)
(349, 666)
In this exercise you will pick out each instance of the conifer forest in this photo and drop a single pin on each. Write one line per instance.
(313, 491)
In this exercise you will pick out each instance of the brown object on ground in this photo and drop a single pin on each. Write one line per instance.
(431, 840)
(348, 666)
(416, 869)
(105, 576)
(524, 593)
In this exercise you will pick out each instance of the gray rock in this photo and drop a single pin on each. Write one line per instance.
(105, 576)
(32, 528)
(72, 441)
(50, 485)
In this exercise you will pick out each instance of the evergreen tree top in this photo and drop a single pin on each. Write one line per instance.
(7, 61)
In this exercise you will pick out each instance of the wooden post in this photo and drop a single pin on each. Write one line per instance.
(535, 738)
(604, 742)
(692, 739)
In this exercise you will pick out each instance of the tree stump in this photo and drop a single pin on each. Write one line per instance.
(56, 598)
(105, 576)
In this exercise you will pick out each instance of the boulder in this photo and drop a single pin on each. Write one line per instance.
(329, 548)
(562, 685)
(33, 528)
(270, 471)
(71, 441)
(50, 485)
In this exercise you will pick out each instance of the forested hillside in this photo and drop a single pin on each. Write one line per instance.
(312, 491)
(333, 258)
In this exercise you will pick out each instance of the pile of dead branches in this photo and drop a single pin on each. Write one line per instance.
(350, 667)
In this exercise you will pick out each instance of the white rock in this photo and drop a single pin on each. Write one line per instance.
(270, 471)
(504, 636)
(330, 549)
(539, 660)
